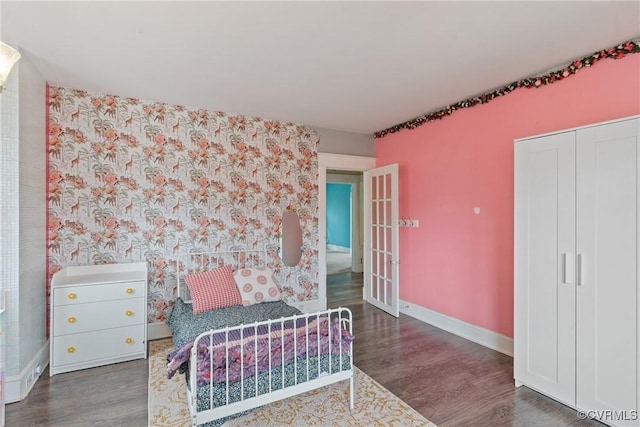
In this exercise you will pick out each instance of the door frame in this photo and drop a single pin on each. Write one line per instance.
(340, 162)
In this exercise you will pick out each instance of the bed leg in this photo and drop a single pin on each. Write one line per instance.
(351, 393)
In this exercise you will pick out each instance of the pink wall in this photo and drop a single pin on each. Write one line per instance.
(461, 264)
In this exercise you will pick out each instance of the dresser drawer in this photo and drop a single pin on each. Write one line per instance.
(76, 318)
(101, 292)
(98, 345)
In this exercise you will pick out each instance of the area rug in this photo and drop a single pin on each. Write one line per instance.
(326, 406)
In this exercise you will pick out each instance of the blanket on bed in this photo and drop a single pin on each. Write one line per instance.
(185, 325)
(232, 355)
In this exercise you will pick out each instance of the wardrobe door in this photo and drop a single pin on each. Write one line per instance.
(607, 277)
(544, 265)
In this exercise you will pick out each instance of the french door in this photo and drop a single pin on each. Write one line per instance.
(381, 262)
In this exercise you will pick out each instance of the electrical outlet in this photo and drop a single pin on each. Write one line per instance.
(34, 374)
(408, 222)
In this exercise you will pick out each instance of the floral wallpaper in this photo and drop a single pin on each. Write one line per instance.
(133, 180)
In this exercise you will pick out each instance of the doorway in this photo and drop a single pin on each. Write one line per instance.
(352, 166)
(344, 207)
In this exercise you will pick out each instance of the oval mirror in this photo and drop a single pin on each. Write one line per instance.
(291, 245)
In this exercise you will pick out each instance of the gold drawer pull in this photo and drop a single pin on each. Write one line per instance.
(71, 319)
(71, 350)
(71, 296)
(128, 313)
(129, 340)
(129, 290)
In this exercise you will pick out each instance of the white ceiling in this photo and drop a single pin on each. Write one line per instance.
(351, 66)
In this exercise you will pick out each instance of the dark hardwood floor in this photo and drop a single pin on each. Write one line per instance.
(449, 380)
(113, 395)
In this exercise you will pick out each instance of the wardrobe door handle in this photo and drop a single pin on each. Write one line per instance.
(569, 269)
(580, 261)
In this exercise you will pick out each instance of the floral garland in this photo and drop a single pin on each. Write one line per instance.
(620, 51)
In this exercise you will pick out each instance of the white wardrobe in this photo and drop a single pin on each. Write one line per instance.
(576, 268)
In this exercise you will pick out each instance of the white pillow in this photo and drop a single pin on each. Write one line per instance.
(257, 285)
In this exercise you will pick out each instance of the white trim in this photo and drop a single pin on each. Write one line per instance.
(482, 336)
(157, 330)
(17, 387)
(343, 178)
(339, 162)
(345, 162)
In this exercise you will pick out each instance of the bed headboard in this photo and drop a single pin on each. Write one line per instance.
(196, 262)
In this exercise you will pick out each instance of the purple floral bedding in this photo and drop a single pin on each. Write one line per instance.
(262, 347)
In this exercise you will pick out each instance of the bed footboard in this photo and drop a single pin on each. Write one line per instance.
(234, 369)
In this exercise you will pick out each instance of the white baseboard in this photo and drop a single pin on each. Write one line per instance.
(17, 387)
(482, 336)
(310, 306)
(157, 330)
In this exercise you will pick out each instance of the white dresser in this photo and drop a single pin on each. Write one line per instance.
(98, 316)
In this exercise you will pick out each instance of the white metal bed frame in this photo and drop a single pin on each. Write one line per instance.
(201, 261)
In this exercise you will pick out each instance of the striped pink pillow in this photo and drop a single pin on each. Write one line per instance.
(213, 289)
